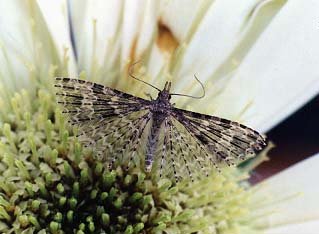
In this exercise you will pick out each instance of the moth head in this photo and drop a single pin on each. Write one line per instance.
(164, 94)
(167, 86)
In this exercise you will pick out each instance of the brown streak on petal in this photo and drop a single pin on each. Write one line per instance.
(132, 55)
(133, 51)
(165, 40)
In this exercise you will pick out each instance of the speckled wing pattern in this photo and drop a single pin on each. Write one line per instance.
(117, 125)
(226, 141)
(108, 120)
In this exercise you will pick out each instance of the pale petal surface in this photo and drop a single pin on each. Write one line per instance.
(96, 35)
(294, 194)
(55, 14)
(223, 39)
(310, 227)
(284, 65)
(116, 33)
(27, 50)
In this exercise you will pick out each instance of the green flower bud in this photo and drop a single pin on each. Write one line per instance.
(105, 218)
(70, 215)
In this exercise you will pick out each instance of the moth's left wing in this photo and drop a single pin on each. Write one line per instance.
(227, 141)
(84, 101)
(106, 118)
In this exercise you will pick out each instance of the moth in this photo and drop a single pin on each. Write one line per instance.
(130, 130)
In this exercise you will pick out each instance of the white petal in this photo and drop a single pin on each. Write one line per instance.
(95, 25)
(124, 30)
(224, 37)
(139, 26)
(294, 193)
(179, 16)
(27, 48)
(310, 227)
(216, 37)
(181, 22)
(107, 32)
(56, 16)
(284, 65)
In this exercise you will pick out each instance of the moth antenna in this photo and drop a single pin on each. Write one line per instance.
(185, 95)
(131, 71)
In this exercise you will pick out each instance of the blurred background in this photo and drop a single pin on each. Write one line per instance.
(296, 138)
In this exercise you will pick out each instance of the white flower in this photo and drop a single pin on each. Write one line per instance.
(257, 59)
(295, 209)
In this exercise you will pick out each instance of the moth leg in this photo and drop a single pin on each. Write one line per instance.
(149, 96)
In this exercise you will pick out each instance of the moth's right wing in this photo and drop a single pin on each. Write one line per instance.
(228, 142)
(179, 155)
